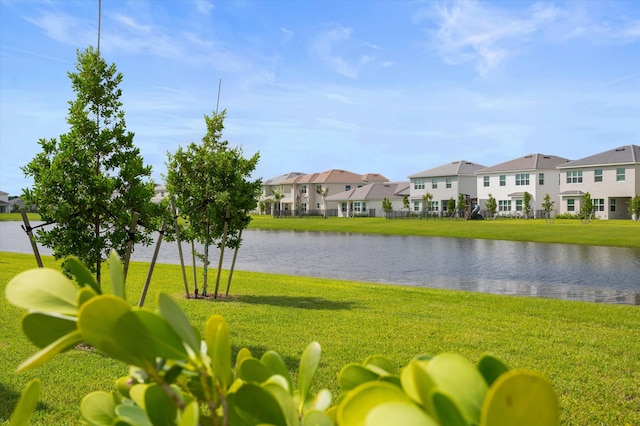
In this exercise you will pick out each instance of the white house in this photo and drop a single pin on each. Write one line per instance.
(275, 185)
(507, 182)
(443, 182)
(367, 200)
(611, 178)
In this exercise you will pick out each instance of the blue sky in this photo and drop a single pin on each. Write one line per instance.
(391, 87)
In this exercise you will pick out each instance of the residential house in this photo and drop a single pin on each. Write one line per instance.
(301, 195)
(367, 200)
(507, 182)
(275, 186)
(4, 202)
(160, 193)
(443, 182)
(611, 178)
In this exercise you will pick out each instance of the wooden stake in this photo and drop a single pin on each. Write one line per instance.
(27, 228)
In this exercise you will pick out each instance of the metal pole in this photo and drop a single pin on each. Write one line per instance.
(27, 228)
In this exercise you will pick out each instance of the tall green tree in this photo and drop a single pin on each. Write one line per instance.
(387, 207)
(462, 205)
(634, 208)
(547, 206)
(91, 180)
(323, 192)
(451, 206)
(586, 208)
(405, 201)
(492, 206)
(214, 190)
(277, 196)
(526, 207)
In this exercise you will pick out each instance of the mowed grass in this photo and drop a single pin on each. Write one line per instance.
(620, 233)
(590, 352)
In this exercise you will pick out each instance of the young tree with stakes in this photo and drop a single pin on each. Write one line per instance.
(213, 191)
(90, 182)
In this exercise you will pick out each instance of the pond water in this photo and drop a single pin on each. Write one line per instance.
(561, 271)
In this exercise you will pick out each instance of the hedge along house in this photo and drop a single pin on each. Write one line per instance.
(507, 182)
(443, 182)
(367, 200)
(611, 178)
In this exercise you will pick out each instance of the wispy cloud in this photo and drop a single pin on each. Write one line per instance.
(469, 31)
(331, 47)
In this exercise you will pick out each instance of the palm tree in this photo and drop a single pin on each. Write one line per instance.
(277, 196)
(426, 199)
(323, 192)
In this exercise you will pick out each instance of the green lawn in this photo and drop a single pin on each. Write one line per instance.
(622, 233)
(591, 352)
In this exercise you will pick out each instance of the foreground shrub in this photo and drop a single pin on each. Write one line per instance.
(179, 377)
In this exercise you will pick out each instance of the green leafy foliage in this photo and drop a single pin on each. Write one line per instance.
(547, 206)
(91, 180)
(492, 206)
(177, 378)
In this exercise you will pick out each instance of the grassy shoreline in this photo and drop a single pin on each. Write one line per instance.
(613, 233)
(589, 351)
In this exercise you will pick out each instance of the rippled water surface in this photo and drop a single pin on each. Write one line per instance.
(561, 271)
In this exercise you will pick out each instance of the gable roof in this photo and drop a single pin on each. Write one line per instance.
(336, 176)
(627, 154)
(279, 179)
(372, 191)
(528, 162)
(456, 168)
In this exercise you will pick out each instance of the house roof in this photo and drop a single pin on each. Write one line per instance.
(528, 162)
(279, 179)
(627, 154)
(336, 176)
(456, 168)
(372, 191)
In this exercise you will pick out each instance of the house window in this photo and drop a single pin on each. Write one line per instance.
(304, 207)
(356, 206)
(597, 175)
(448, 182)
(518, 205)
(503, 180)
(434, 183)
(343, 207)
(598, 204)
(303, 189)
(433, 206)
(418, 184)
(486, 181)
(522, 179)
(612, 205)
(347, 187)
(364, 206)
(540, 178)
(504, 205)
(574, 176)
(317, 205)
(620, 174)
(571, 205)
(416, 206)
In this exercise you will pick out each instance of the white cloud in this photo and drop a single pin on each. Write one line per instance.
(336, 49)
(204, 7)
(470, 31)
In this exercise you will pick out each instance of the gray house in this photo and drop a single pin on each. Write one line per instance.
(367, 200)
(443, 182)
(611, 178)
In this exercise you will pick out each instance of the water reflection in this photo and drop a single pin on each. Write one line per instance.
(571, 272)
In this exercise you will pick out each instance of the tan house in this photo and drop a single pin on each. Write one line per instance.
(507, 182)
(611, 178)
(367, 200)
(443, 182)
(303, 194)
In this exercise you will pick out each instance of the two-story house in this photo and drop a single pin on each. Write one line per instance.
(4, 202)
(507, 182)
(367, 200)
(443, 182)
(611, 178)
(274, 192)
